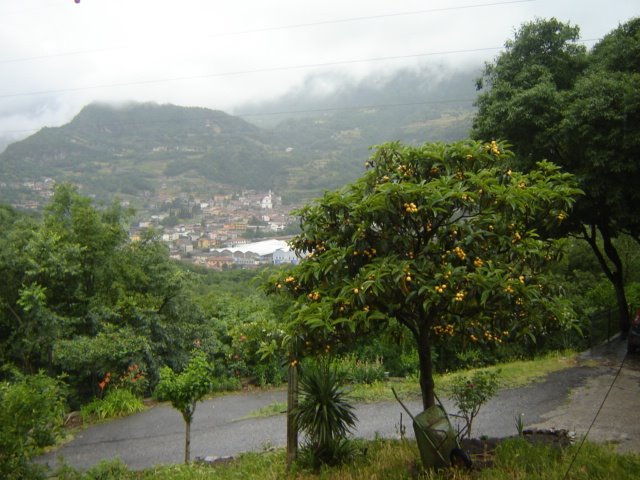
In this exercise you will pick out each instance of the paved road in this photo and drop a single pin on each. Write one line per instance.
(568, 399)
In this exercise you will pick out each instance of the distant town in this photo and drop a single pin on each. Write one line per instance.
(244, 229)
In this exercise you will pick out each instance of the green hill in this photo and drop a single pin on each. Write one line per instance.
(126, 150)
(131, 151)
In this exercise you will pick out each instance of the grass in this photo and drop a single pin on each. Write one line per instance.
(397, 460)
(275, 408)
(512, 375)
(117, 403)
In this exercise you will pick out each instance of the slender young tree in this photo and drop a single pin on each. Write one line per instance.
(185, 389)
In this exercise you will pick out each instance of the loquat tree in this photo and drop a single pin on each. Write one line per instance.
(445, 239)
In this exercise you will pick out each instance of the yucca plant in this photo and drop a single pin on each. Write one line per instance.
(323, 413)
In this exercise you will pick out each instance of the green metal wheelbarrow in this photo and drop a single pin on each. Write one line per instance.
(437, 441)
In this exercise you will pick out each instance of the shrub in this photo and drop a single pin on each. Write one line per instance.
(134, 380)
(471, 358)
(270, 373)
(633, 295)
(470, 393)
(104, 470)
(107, 470)
(31, 418)
(360, 371)
(393, 347)
(118, 402)
(224, 384)
(257, 352)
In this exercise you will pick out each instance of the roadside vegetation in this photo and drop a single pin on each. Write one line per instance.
(511, 374)
(396, 460)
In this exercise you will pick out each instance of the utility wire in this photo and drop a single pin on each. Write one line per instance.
(247, 72)
(276, 28)
(368, 17)
(594, 419)
(257, 70)
(64, 54)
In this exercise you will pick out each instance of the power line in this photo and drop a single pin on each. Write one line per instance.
(279, 27)
(368, 17)
(259, 70)
(63, 54)
(566, 474)
(247, 72)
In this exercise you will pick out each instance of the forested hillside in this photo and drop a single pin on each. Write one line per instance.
(130, 149)
(321, 143)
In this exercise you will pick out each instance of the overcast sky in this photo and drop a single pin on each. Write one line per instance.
(58, 55)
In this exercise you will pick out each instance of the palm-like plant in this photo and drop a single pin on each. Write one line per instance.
(323, 413)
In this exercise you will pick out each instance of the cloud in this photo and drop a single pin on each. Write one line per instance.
(56, 57)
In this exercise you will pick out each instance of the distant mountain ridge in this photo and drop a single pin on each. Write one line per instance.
(125, 150)
(135, 148)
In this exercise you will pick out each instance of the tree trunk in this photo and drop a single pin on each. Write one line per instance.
(187, 442)
(614, 275)
(624, 319)
(187, 415)
(426, 367)
(618, 284)
(292, 426)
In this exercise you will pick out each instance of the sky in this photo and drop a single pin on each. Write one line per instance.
(56, 56)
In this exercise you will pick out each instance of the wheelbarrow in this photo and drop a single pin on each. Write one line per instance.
(438, 444)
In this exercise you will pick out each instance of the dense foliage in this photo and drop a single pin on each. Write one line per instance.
(30, 418)
(79, 298)
(580, 109)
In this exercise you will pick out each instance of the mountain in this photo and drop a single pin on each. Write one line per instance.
(126, 150)
(321, 143)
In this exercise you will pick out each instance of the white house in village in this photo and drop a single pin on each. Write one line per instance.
(267, 251)
(281, 256)
(267, 202)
